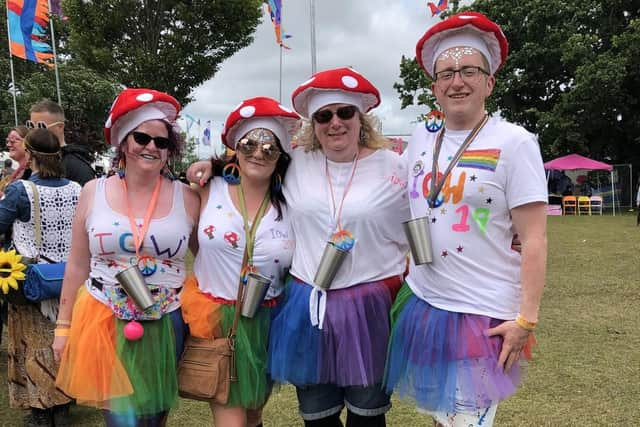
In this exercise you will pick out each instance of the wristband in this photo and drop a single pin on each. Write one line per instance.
(525, 324)
(63, 322)
(61, 332)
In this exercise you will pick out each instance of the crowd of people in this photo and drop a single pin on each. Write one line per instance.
(296, 192)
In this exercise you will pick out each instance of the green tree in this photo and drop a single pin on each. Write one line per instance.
(571, 76)
(168, 45)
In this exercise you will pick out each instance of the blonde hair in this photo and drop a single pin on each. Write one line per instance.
(370, 136)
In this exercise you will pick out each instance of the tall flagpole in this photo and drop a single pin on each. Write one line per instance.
(280, 90)
(13, 79)
(312, 15)
(55, 56)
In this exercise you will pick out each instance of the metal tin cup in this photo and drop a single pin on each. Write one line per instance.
(254, 292)
(417, 231)
(134, 285)
(330, 263)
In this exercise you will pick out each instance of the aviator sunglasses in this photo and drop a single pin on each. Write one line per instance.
(143, 139)
(269, 150)
(343, 113)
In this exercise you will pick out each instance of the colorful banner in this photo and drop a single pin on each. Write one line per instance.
(206, 135)
(274, 7)
(27, 21)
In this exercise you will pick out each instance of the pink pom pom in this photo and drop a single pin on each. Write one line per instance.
(133, 331)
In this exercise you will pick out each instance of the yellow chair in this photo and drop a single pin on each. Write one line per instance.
(569, 205)
(584, 205)
(596, 204)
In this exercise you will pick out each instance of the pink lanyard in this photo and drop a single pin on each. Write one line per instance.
(346, 188)
(138, 236)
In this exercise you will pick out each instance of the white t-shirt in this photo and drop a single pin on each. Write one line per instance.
(474, 268)
(221, 241)
(373, 211)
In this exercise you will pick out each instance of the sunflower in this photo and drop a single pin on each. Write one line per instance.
(11, 270)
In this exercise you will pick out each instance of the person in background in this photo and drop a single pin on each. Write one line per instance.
(114, 355)
(76, 159)
(638, 204)
(8, 169)
(17, 153)
(246, 190)
(463, 324)
(31, 365)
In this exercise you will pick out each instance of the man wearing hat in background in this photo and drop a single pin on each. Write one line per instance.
(76, 158)
(463, 323)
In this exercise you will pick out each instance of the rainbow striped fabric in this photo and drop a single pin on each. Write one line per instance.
(480, 159)
(28, 20)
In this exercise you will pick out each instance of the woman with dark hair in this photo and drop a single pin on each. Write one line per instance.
(243, 209)
(115, 355)
(31, 327)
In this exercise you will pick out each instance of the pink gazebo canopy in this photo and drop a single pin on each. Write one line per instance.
(576, 162)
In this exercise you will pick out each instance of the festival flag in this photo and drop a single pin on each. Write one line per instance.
(441, 7)
(27, 21)
(206, 135)
(274, 7)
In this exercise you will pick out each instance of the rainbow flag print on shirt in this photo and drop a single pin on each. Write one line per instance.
(480, 159)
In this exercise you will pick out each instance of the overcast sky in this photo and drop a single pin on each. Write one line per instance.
(369, 35)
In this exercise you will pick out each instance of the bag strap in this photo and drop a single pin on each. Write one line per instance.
(38, 223)
(36, 217)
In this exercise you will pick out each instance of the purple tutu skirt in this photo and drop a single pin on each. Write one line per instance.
(349, 350)
(444, 360)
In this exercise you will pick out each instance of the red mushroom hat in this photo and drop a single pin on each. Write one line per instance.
(466, 29)
(260, 112)
(340, 85)
(135, 106)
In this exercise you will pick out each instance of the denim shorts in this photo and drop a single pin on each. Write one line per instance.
(323, 400)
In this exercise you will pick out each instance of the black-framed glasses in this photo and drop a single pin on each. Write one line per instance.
(143, 139)
(40, 125)
(270, 151)
(344, 113)
(467, 73)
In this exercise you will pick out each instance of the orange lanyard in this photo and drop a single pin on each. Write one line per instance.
(138, 236)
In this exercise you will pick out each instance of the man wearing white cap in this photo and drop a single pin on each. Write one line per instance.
(463, 323)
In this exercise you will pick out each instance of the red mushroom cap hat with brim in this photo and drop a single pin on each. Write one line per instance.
(135, 106)
(260, 112)
(338, 86)
(466, 29)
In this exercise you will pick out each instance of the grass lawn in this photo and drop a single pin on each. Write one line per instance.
(586, 368)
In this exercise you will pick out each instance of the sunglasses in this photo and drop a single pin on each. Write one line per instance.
(143, 139)
(343, 113)
(270, 151)
(40, 125)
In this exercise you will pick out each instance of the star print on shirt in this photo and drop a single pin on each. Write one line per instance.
(459, 249)
(443, 211)
(433, 220)
(116, 224)
(444, 254)
(489, 200)
(450, 158)
(424, 153)
(473, 178)
(219, 207)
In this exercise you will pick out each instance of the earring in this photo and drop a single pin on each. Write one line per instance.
(277, 183)
(121, 165)
(231, 173)
(363, 137)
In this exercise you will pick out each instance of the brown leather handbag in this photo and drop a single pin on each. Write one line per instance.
(207, 366)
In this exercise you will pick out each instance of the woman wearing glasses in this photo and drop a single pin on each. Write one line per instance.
(343, 187)
(115, 355)
(243, 216)
(15, 147)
